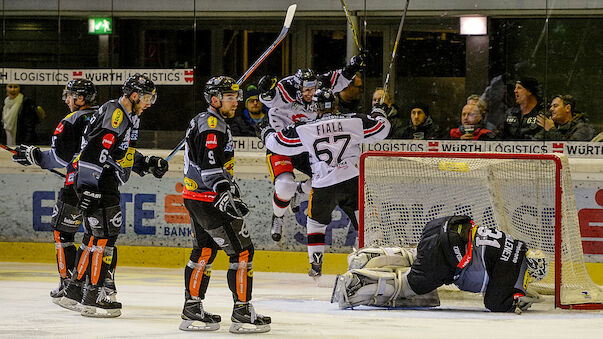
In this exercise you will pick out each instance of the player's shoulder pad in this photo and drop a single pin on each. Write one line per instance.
(208, 121)
(288, 85)
(114, 117)
(81, 114)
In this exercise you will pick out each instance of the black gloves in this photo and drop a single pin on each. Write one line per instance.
(267, 84)
(263, 129)
(379, 110)
(226, 203)
(156, 165)
(90, 200)
(357, 63)
(27, 155)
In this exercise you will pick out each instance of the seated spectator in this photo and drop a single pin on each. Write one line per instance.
(521, 121)
(421, 125)
(394, 115)
(349, 97)
(254, 112)
(472, 123)
(564, 123)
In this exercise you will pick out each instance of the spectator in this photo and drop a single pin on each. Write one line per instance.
(254, 112)
(521, 122)
(472, 123)
(565, 123)
(349, 97)
(421, 125)
(394, 115)
(19, 117)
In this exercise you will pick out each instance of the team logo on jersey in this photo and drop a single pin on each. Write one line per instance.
(212, 122)
(108, 140)
(128, 159)
(229, 166)
(212, 141)
(59, 129)
(116, 119)
(190, 184)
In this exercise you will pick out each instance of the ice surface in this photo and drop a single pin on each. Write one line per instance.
(153, 299)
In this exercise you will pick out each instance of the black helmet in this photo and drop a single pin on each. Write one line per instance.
(140, 84)
(83, 87)
(304, 77)
(219, 85)
(324, 100)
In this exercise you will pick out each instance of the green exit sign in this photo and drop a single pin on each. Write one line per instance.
(100, 26)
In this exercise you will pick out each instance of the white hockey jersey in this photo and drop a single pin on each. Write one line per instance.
(333, 143)
(286, 103)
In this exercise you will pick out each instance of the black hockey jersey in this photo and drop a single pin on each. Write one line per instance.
(208, 157)
(109, 146)
(333, 143)
(492, 263)
(66, 142)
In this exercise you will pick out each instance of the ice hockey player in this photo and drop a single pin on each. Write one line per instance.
(333, 144)
(80, 97)
(217, 215)
(107, 158)
(290, 101)
(452, 249)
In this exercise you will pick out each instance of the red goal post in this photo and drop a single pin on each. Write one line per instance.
(529, 196)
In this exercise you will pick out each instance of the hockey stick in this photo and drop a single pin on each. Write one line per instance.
(48, 169)
(393, 58)
(351, 23)
(279, 39)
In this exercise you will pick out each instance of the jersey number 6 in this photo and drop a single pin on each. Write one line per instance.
(320, 150)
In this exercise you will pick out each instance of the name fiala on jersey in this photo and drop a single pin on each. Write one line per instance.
(329, 127)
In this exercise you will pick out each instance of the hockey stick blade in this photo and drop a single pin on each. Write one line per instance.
(288, 20)
(48, 169)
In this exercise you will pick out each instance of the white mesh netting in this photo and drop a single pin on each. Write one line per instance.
(403, 193)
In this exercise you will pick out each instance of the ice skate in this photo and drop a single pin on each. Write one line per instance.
(195, 318)
(245, 320)
(72, 297)
(97, 303)
(59, 291)
(316, 270)
(277, 228)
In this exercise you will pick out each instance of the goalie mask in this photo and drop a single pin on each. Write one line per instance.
(142, 85)
(217, 86)
(538, 267)
(83, 87)
(324, 101)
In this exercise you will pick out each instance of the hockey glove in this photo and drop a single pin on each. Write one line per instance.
(90, 200)
(27, 155)
(264, 129)
(523, 302)
(379, 110)
(156, 165)
(267, 84)
(357, 63)
(226, 203)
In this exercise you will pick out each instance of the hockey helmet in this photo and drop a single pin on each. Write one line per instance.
(305, 77)
(140, 84)
(538, 267)
(83, 87)
(324, 100)
(219, 85)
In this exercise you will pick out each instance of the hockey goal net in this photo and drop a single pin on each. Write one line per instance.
(529, 196)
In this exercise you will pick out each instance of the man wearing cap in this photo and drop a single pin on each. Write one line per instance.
(521, 122)
(421, 126)
(254, 112)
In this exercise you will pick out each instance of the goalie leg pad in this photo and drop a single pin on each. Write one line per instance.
(380, 257)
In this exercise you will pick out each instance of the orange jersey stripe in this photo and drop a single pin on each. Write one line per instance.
(242, 276)
(197, 274)
(60, 254)
(97, 261)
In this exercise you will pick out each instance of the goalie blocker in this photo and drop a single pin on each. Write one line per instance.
(454, 250)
